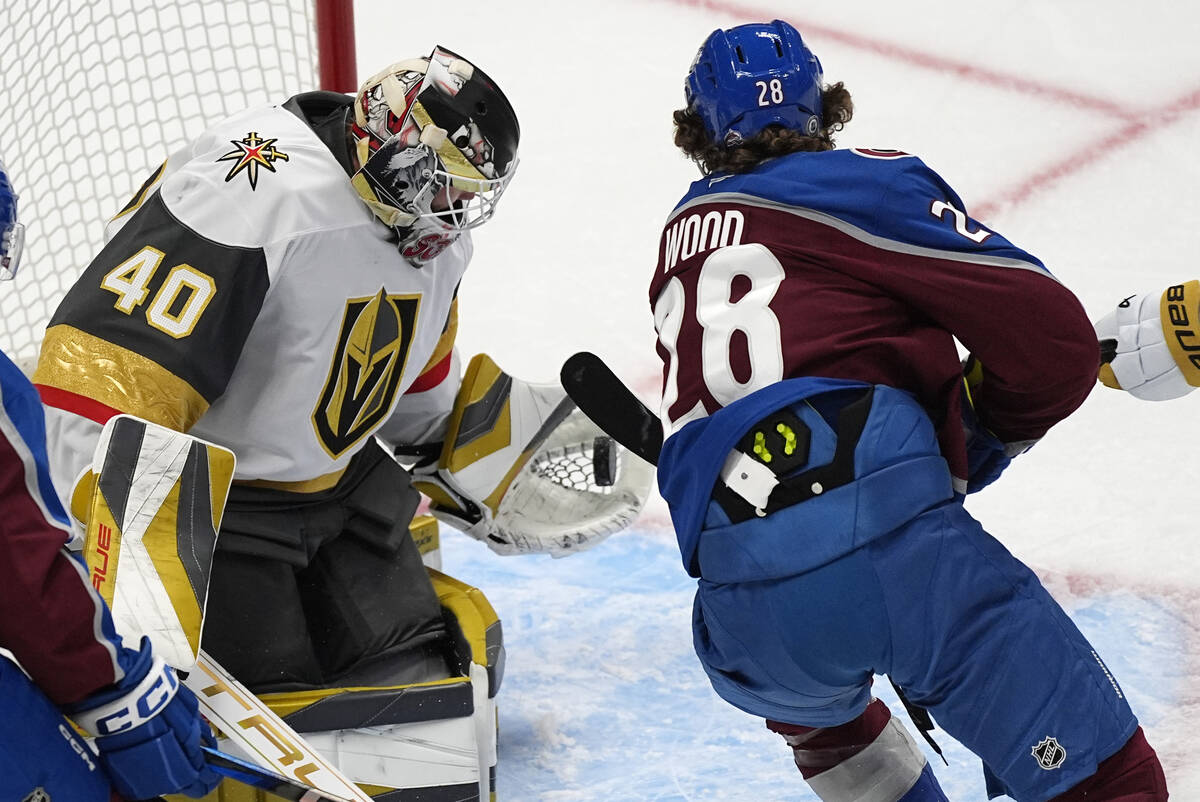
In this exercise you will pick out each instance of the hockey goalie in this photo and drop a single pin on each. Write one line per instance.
(286, 287)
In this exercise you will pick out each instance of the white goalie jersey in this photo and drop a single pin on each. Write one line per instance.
(248, 296)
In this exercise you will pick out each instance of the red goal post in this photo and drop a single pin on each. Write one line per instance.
(94, 94)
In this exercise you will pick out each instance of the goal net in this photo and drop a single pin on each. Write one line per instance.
(95, 95)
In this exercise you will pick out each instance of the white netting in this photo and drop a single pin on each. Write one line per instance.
(94, 94)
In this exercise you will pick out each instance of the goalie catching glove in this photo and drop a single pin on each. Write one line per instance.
(1150, 344)
(524, 471)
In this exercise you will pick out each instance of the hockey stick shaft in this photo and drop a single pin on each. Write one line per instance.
(261, 733)
(612, 406)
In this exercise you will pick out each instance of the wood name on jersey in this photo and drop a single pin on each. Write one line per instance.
(696, 233)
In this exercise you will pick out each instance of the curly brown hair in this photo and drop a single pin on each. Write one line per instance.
(691, 137)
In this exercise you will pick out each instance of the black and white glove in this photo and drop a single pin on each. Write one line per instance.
(1150, 344)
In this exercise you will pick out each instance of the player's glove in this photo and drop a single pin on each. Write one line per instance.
(1150, 344)
(148, 730)
(987, 457)
(525, 472)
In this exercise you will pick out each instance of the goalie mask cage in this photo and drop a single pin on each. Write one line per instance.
(95, 94)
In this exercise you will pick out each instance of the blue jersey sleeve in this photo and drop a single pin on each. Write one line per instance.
(920, 209)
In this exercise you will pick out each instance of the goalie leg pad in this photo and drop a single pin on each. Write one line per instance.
(404, 722)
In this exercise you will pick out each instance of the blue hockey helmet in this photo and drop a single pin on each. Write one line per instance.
(12, 233)
(751, 76)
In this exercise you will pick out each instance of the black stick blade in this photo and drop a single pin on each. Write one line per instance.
(611, 405)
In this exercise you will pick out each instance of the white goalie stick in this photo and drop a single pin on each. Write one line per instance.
(611, 405)
(260, 732)
(257, 777)
(151, 532)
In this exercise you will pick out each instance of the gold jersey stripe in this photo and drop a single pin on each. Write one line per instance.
(81, 363)
(315, 485)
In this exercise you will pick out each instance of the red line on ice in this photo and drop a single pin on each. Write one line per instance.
(918, 58)
(1134, 125)
(1085, 156)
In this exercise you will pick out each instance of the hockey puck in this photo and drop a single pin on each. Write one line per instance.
(604, 461)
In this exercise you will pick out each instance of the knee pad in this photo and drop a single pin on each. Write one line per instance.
(869, 759)
(421, 719)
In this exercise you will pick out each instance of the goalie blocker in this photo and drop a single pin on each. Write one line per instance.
(524, 471)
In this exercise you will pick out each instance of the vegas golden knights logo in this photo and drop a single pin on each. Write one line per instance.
(252, 152)
(368, 362)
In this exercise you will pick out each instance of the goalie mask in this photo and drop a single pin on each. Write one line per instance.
(437, 143)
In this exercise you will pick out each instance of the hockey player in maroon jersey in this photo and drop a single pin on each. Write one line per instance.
(823, 437)
(60, 631)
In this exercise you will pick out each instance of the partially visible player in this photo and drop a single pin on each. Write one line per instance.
(148, 729)
(1150, 344)
(807, 302)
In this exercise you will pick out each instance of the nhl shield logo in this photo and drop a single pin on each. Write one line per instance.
(1049, 753)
